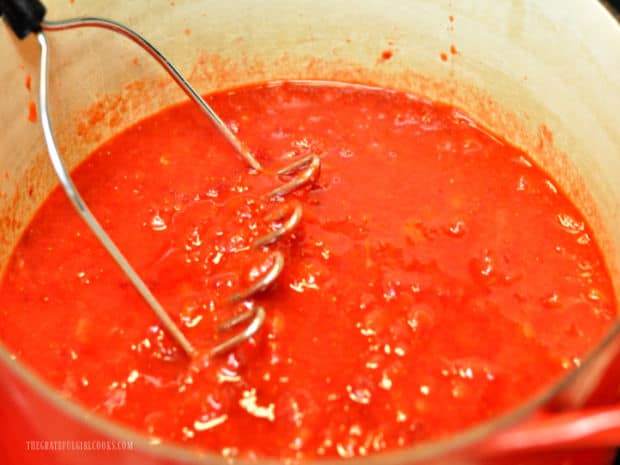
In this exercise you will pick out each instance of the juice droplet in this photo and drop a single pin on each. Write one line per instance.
(386, 55)
(32, 112)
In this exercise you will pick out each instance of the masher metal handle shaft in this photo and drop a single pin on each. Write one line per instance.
(65, 180)
(25, 17)
(103, 23)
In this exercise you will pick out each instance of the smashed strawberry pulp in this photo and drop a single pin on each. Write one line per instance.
(437, 279)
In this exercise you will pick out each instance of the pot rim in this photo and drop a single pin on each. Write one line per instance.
(424, 451)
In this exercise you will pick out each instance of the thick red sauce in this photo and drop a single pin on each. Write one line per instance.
(438, 277)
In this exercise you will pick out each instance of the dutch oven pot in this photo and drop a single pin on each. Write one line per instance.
(545, 75)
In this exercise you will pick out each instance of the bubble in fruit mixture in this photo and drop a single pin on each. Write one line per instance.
(359, 393)
(570, 224)
(158, 223)
(346, 153)
(205, 423)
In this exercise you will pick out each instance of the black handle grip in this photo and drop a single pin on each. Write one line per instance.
(23, 16)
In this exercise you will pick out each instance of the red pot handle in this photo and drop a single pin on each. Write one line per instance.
(579, 429)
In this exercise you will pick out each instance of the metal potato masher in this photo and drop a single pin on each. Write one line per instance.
(26, 17)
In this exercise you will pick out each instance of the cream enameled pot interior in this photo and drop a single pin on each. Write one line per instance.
(544, 75)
